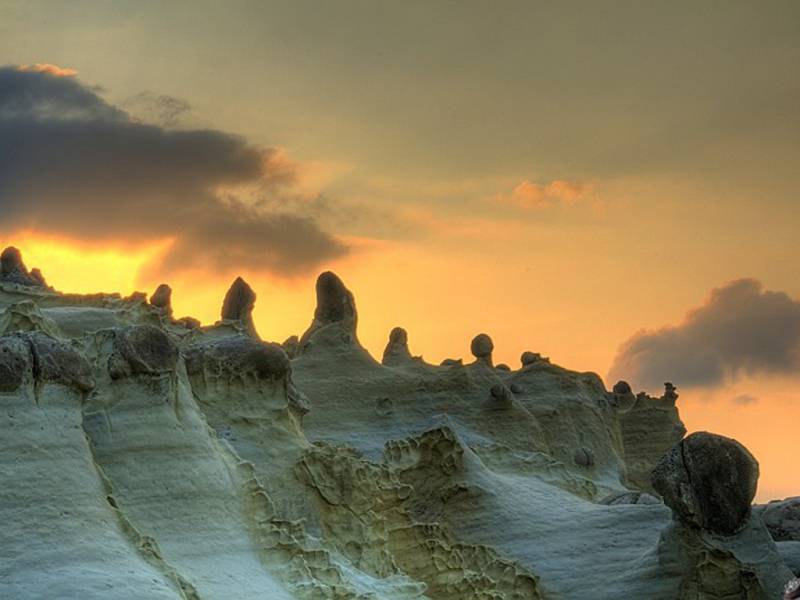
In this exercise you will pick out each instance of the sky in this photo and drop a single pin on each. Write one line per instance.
(612, 184)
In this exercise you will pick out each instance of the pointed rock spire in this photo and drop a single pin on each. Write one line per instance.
(335, 305)
(162, 298)
(13, 270)
(238, 305)
(397, 349)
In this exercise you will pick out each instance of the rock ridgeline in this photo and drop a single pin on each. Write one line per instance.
(151, 457)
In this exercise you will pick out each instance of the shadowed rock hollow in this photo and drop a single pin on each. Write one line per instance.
(151, 457)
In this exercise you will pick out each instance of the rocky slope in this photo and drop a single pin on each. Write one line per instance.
(145, 456)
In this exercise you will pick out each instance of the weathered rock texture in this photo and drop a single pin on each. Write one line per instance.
(152, 458)
(709, 481)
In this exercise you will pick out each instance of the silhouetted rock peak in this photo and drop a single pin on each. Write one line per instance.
(162, 298)
(335, 303)
(482, 347)
(708, 481)
(397, 348)
(335, 306)
(13, 269)
(238, 304)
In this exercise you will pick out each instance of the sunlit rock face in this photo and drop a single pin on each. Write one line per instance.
(150, 457)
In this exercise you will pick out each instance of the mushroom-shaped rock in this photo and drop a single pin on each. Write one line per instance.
(335, 305)
(708, 481)
(13, 270)
(162, 298)
(482, 347)
(397, 349)
(238, 305)
(142, 350)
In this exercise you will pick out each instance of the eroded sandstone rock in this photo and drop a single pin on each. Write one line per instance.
(238, 356)
(709, 482)
(13, 270)
(397, 351)
(238, 305)
(162, 298)
(482, 348)
(141, 350)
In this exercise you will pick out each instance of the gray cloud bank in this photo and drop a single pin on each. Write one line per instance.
(75, 165)
(740, 330)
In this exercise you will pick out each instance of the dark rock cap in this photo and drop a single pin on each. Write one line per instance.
(236, 356)
(47, 359)
(142, 350)
(709, 481)
(56, 361)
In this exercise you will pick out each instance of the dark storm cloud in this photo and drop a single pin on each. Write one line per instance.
(72, 164)
(740, 330)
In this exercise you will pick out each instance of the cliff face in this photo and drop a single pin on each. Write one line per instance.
(145, 456)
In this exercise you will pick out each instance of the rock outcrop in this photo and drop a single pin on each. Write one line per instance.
(158, 459)
(336, 308)
(482, 348)
(238, 305)
(162, 299)
(13, 270)
(709, 481)
(397, 352)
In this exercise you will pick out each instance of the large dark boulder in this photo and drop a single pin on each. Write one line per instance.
(708, 481)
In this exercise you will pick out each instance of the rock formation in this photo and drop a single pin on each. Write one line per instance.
(13, 270)
(159, 459)
(397, 351)
(482, 348)
(238, 305)
(162, 299)
(709, 482)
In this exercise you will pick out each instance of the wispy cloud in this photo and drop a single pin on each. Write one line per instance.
(531, 195)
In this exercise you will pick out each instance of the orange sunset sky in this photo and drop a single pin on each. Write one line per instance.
(612, 185)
